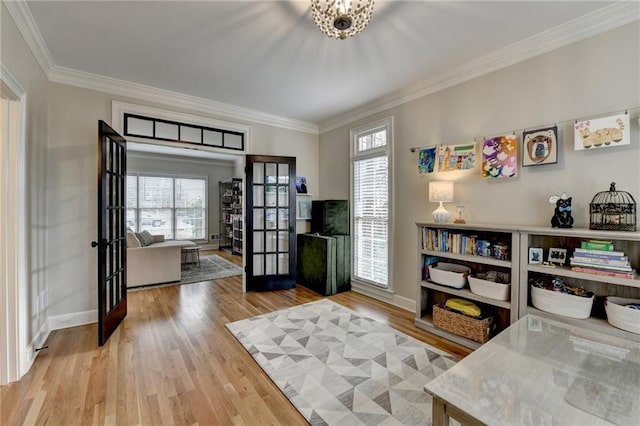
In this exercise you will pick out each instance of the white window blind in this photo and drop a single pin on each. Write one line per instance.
(371, 219)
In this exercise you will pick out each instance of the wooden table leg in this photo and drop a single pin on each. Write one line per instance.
(439, 416)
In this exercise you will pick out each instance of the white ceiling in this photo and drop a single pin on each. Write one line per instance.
(269, 56)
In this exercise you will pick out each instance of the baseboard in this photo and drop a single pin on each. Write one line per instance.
(384, 296)
(38, 341)
(75, 319)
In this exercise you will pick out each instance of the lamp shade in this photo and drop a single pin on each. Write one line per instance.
(441, 191)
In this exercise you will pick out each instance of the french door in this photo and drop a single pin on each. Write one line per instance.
(112, 241)
(270, 226)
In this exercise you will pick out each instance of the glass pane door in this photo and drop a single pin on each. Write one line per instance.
(270, 223)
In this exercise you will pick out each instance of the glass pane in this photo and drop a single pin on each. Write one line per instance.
(232, 141)
(270, 218)
(157, 222)
(212, 138)
(271, 264)
(270, 199)
(283, 241)
(283, 173)
(272, 172)
(258, 242)
(258, 172)
(191, 193)
(166, 131)
(271, 241)
(283, 196)
(283, 263)
(190, 224)
(258, 218)
(258, 196)
(155, 192)
(190, 134)
(136, 126)
(258, 267)
(283, 218)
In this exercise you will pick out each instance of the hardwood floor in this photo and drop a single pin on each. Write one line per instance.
(173, 362)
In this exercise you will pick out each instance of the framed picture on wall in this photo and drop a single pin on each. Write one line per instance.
(540, 146)
(304, 208)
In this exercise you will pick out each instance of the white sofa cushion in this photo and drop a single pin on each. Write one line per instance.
(132, 240)
(156, 263)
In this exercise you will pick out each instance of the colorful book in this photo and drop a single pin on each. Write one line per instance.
(598, 261)
(598, 254)
(630, 275)
(597, 245)
(607, 267)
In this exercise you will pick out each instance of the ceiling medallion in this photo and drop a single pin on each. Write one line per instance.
(340, 18)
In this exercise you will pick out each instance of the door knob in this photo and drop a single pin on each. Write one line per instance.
(94, 244)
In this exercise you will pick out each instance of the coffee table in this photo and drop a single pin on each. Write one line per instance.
(542, 372)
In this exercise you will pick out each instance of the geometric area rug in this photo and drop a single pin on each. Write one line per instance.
(338, 367)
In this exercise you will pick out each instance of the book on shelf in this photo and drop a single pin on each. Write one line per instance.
(601, 266)
(451, 242)
(598, 254)
(597, 245)
(618, 274)
(598, 261)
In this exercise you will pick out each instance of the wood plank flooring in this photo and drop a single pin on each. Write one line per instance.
(173, 362)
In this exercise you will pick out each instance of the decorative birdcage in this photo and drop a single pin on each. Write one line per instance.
(613, 210)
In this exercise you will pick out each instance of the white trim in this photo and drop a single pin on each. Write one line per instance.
(37, 342)
(589, 25)
(57, 322)
(384, 296)
(22, 17)
(13, 283)
(146, 93)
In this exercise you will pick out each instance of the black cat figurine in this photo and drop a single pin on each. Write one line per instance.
(562, 214)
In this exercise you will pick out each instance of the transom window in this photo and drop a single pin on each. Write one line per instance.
(371, 192)
(175, 207)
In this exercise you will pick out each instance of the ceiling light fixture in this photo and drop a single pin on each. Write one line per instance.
(340, 18)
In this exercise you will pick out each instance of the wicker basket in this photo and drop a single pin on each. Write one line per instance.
(478, 330)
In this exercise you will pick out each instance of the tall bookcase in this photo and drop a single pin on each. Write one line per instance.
(230, 192)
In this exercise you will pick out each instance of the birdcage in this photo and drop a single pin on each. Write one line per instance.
(613, 210)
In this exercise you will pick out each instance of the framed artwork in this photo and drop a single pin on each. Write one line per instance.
(426, 160)
(500, 157)
(557, 255)
(304, 208)
(301, 184)
(535, 255)
(456, 157)
(602, 132)
(540, 146)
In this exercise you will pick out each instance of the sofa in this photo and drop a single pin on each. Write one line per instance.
(153, 260)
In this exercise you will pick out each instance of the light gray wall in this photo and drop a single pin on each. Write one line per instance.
(74, 114)
(593, 77)
(214, 171)
(18, 60)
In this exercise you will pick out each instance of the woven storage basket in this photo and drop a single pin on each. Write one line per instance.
(478, 330)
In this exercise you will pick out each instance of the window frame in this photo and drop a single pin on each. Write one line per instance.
(356, 155)
(173, 208)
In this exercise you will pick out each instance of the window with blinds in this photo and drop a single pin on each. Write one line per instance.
(370, 204)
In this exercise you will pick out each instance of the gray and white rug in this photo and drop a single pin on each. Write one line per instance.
(211, 267)
(340, 368)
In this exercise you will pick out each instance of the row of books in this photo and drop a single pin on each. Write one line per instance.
(600, 258)
(451, 242)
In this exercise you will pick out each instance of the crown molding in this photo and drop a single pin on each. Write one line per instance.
(589, 25)
(23, 19)
(129, 89)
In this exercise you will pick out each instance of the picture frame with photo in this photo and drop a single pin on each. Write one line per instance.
(557, 256)
(536, 255)
(304, 209)
(540, 146)
(301, 184)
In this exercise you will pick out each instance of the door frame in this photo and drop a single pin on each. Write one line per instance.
(16, 353)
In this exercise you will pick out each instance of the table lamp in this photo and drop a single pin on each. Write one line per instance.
(442, 192)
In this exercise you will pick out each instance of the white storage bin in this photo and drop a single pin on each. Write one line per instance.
(563, 304)
(489, 289)
(622, 317)
(449, 274)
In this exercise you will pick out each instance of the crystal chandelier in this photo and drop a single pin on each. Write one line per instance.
(340, 18)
